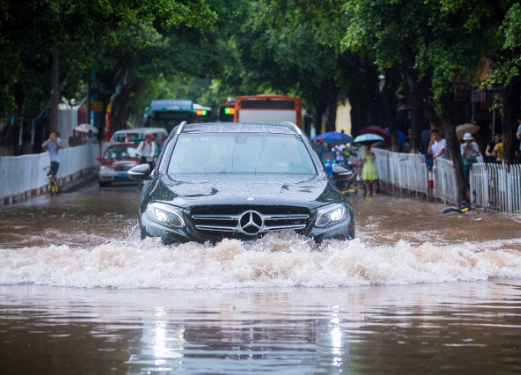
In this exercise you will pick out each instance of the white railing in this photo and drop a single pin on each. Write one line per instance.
(498, 184)
(405, 171)
(19, 175)
(494, 183)
(445, 180)
(409, 172)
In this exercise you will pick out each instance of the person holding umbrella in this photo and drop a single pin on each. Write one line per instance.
(369, 172)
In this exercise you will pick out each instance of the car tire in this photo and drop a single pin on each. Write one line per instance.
(143, 233)
(104, 183)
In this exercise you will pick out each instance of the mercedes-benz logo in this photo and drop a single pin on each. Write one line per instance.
(251, 222)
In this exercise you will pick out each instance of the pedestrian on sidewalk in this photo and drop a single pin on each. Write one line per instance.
(469, 155)
(73, 139)
(437, 146)
(499, 151)
(491, 157)
(470, 149)
(369, 173)
(91, 139)
(52, 145)
(147, 150)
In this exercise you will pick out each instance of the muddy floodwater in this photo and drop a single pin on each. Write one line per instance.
(417, 292)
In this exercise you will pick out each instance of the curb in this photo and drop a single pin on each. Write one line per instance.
(67, 184)
(78, 184)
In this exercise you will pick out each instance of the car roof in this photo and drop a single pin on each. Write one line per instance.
(241, 127)
(141, 131)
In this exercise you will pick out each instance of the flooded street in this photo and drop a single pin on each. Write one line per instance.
(417, 291)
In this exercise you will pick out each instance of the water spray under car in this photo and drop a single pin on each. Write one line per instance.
(215, 181)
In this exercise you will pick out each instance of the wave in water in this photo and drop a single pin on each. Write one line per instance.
(276, 260)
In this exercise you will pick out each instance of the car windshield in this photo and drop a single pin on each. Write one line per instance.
(121, 152)
(240, 153)
(129, 137)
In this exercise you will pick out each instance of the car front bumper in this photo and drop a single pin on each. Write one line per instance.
(341, 231)
(112, 176)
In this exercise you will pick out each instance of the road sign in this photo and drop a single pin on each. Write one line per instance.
(96, 106)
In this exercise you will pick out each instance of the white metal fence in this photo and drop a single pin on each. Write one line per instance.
(20, 175)
(409, 172)
(445, 180)
(498, 184)
(494, 183)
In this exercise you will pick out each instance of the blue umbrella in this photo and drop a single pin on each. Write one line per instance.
(333, 137)
(368, 139)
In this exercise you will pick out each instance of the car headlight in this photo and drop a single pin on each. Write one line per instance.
(104, 168)
(331, 215)
(165, 214)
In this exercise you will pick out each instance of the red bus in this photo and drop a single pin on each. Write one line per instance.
(268, 108)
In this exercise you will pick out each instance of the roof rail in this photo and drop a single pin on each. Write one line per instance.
(289, 123)
(181, 127)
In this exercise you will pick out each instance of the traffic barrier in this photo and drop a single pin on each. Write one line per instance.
(24, 176)
(409, 172)
(494, 183)
(498, 184)
(403, 171)
(445, 181)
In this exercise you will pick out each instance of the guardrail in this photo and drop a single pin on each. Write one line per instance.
(24, 176)
(498, 184)
(445, 181)
(409, 172)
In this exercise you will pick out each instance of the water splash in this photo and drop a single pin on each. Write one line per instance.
(278, 260)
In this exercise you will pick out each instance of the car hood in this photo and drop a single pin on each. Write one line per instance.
(191, 190)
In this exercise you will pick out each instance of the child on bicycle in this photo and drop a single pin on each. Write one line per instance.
(52, 145)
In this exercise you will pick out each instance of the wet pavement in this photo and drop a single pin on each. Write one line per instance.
(417, 292)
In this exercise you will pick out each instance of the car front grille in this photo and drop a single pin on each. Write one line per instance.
(122, 168)
(249, 220)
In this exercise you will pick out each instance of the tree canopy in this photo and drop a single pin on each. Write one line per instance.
(374, 52)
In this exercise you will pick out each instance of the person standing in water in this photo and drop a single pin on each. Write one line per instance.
(369, 173)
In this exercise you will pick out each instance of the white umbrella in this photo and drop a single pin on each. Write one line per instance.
(85, 128)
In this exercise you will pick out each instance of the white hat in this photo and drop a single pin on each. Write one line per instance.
(467, 137)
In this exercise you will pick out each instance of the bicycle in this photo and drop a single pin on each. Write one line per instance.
(355, 183)
(52, 181)
(465, 206)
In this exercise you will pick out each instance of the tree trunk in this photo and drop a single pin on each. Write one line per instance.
(102, 118)
(361, 77)
(120, 110)
(389, 103)
(511, 99)
(55, 90)
(332, 105)
(321, 108)
(453, 147)
(415, 100)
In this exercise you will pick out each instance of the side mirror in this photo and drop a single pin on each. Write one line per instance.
(98, 158)
(140, 172)
(341, 173)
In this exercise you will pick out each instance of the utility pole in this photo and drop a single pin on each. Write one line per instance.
(55, 90)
